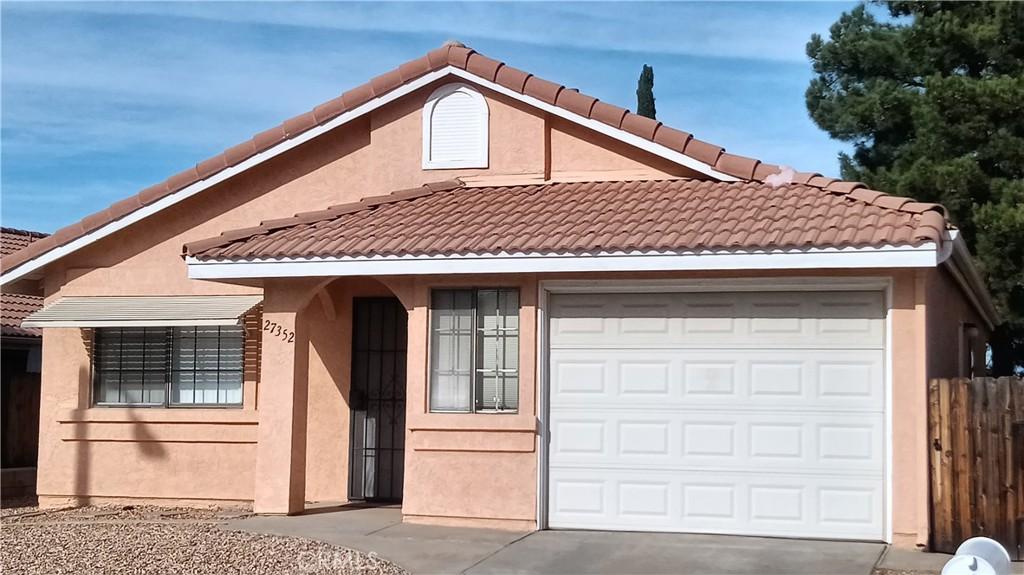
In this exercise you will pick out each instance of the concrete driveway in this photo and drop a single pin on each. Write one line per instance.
(434, 550)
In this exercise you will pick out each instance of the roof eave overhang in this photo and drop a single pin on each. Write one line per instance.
(33, 267)
(926, 255)
(960, 263)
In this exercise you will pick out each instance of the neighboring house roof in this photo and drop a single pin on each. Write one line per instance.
(15, 307)
(12, 239)
(452, 56)
(450, 218)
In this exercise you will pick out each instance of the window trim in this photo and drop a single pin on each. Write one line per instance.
(483, 116)
(474, 351)
(166, 403)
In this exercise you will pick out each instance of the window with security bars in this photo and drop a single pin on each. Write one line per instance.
(169, 366)
(474, 350)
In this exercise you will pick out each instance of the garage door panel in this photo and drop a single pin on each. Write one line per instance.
(717, 502)
(690, 440)
(774, 319)
(802, 379)
(747, 413)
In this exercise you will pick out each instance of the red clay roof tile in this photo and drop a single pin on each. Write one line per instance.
(543, 90)
(268, 138)
(575, 102)
(672, 138)
(764, 170)
(299, 124)
(703, 151)
(14, 308)
(12, 239)
(578, 217)
(512, 78)
(608, 113)
(386, 82)
(738, 166)
(640, 126)
(357, 96)
(458, 56)
(209, 167)
(414, 68)
(238, 154)
(438, 57)
(152, 194)
(483, 66)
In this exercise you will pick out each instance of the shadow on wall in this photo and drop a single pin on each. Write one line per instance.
(141, 436)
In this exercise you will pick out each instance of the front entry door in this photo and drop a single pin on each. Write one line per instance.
(377, 399)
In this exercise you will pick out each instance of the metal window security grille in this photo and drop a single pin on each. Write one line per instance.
(131, 365)
(160, 366)
(497, 343)
(474, 350)
(377, 399)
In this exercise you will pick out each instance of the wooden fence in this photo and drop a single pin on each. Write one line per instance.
(976, 431)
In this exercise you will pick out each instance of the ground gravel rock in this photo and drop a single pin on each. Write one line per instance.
(139, 545)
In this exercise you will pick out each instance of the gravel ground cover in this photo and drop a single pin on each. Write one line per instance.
(149, 540)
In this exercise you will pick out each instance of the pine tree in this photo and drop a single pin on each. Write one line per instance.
(931, 99)
(645, 93)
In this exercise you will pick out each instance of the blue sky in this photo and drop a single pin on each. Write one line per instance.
(100, 100)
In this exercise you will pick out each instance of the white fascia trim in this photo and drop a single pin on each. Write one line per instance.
(278, 149)
(924, 256)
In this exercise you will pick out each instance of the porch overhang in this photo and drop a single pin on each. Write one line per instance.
(143, 311)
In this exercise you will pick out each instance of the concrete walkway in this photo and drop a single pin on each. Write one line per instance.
(435, 550)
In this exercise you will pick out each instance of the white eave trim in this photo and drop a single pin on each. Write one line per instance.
(657, 149)
(923, 256)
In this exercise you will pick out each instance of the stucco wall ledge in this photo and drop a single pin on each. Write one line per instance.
(155, 415)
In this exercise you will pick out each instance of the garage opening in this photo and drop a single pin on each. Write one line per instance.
(751, 413)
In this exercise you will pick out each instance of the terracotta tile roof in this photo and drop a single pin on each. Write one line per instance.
(15, 307)
(581, 217)
(12, 240)
(450, 54)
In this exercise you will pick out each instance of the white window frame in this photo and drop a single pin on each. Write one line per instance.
(474, 352)
(480, 158)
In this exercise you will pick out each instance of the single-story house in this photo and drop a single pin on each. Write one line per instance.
(504, 303)
(20, 363)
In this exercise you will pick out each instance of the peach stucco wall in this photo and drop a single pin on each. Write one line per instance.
(289, 442)
(374, 155)
(948, 313)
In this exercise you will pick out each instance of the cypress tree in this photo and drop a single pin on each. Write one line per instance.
(645, 93)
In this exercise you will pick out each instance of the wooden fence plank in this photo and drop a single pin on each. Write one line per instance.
(944, 459)
(976, 434)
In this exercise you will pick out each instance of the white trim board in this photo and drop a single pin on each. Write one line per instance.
(926, 255)
(278, 149)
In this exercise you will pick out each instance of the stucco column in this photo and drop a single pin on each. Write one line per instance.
(281, 400)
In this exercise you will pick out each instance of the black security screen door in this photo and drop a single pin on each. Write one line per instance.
(377, 399)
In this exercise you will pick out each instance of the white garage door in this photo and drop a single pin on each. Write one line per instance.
(745, 413)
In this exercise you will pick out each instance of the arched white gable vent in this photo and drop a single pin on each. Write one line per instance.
(455, 120)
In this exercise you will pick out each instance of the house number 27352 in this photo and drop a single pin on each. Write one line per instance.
(277, 330)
